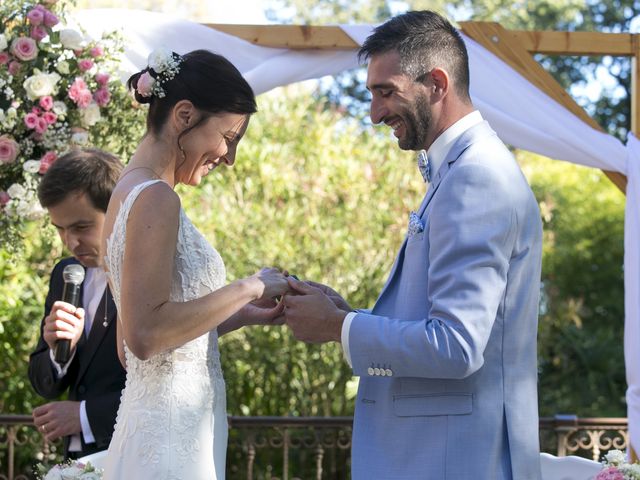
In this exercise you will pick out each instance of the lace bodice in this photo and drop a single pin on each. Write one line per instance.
(167, 396)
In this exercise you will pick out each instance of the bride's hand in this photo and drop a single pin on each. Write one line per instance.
(274, 283)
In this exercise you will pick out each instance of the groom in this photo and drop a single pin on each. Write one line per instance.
(76, 191)
(447, 356)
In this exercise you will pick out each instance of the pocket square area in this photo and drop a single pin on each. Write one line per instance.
(415, 224)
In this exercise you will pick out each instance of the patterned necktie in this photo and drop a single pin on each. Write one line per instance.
(424, 165)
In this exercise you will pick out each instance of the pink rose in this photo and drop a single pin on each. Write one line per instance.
(79, 93)
(36, 110)
(4, 58)
(96, 51)
(9, 149)
(102, 96)
(84, 99)
(4, 198)
(145, 84)
(50, 19)
(611, 473)
(24, 48)
(41, 126)
(50, 118)
(14, 67)
(38, 32)
(102, 79)
(85, 64)
(46, 161)
(36, 16)
(46, 102)
(31, 120)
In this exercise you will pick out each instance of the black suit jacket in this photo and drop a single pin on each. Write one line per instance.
(95, 373)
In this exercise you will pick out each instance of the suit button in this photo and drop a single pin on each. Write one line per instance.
(376, 371)
(81, 389)
(370, 371)
(388, 372)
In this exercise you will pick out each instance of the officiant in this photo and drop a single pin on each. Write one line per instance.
(75, 191)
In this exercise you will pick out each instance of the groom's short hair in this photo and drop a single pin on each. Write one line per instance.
(424, 40)
(87, 170)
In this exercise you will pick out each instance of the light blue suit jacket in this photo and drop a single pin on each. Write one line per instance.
(447, 357)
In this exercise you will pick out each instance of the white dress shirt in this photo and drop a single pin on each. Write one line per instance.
(437, 152)
(93, 287)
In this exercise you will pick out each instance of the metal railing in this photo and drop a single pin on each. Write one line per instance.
(289, 448)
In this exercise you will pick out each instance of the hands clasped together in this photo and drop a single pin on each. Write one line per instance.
(313, 311)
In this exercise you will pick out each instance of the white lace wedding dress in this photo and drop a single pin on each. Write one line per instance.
(172, 422)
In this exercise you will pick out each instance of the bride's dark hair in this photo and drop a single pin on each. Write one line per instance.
(208, 80)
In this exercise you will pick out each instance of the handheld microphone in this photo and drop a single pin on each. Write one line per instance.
(73, 276)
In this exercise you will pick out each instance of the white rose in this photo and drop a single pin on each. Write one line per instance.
(16, 191)
(90, 115)
(71, 39)
(59, 108)
(3, 42)
(31, 166)
(63, 67)
(160, 59)
(79, 138)
(12, 112)
(40, 85)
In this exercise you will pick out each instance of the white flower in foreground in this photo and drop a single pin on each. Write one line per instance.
(71, 39)
(40, 85)
(16, 191)
(31, 166)
(90, 115)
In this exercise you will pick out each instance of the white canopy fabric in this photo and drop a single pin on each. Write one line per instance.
(521, 114)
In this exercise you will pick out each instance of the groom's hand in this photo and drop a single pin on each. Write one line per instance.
(311, 314)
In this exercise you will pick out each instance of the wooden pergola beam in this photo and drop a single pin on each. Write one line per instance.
(333, 37)
(512, 46)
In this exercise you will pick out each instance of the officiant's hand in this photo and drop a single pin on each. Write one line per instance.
(312, 315)
(63, 322)
(58, 419)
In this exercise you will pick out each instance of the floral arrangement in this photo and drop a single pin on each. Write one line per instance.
(616, 467)
(71, 471)
(58, 89)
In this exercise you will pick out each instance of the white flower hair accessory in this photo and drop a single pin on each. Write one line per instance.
(163, 65)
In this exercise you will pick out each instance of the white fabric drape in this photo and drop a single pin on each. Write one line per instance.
(522, 115)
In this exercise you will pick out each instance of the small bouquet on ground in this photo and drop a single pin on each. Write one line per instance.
(71, 471)
(616, 467)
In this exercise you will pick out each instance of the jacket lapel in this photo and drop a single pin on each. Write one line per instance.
(98, 330)
(461, 144)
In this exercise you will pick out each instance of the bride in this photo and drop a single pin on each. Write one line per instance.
(168, 282)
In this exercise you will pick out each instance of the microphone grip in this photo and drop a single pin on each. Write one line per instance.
(70, 294)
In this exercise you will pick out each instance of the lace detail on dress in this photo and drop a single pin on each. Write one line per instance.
(165, 416)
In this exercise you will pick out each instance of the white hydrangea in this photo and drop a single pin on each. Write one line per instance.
(16, 191)
(615, 457)
(80, 138)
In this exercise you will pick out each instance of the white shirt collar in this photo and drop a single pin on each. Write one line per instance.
(440, 148)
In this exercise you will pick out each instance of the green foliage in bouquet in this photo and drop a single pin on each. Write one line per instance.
(58, 90)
